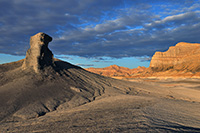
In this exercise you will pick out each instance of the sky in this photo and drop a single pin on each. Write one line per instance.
(98, 33)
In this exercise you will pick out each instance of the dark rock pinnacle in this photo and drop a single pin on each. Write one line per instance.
(38, 56)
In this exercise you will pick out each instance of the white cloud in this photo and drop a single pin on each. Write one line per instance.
(85, 65)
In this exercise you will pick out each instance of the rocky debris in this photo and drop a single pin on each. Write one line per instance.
(182, 57)
(38, 55)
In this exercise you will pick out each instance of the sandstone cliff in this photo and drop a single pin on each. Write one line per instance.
(182, 57)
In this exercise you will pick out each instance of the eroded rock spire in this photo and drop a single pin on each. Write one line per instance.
(38, 56)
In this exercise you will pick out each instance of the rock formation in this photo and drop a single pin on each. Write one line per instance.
(182, 57)
(46, 84)
(39, 55)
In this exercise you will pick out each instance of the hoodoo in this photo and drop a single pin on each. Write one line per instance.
(38, 55)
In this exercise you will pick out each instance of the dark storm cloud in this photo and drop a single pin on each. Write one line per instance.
(88, 28)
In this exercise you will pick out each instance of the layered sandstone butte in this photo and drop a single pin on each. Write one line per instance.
(182, 57)
(38, 56)
(182, 60)
(116, 71)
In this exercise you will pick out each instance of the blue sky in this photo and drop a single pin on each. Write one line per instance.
(98, 33)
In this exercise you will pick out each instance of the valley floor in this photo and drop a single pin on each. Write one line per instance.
(154, 106)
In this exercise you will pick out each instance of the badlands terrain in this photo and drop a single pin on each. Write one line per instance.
(180, 61)
(44, 94)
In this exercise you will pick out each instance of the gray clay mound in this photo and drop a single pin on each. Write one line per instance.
(40, 84)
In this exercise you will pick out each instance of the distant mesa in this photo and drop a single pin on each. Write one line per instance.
(117, 71)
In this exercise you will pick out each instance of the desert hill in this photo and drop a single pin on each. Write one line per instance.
(40, 84)
(117, 71)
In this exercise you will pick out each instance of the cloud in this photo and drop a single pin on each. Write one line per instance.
(175, 20)
(144, 58)
(95, 29)
(64, 57)
(105, 61)
(85, 65)
(141, 41)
